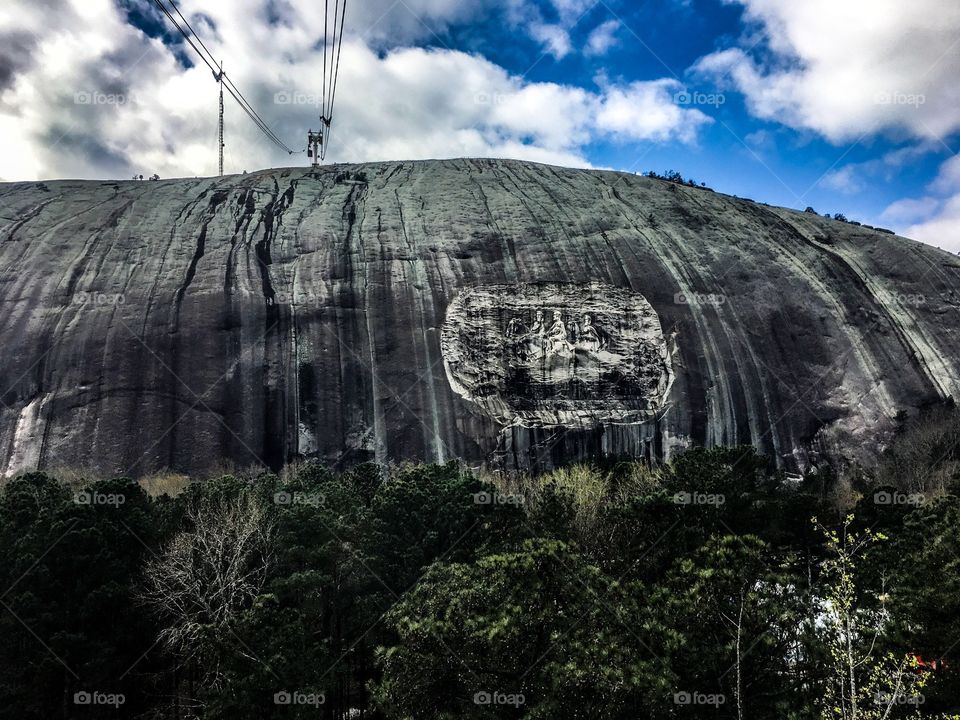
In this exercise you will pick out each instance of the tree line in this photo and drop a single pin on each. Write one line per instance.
(711, 586)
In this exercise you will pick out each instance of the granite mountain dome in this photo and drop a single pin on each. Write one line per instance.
(502, 312)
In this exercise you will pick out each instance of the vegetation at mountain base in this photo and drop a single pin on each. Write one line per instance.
(710, 587)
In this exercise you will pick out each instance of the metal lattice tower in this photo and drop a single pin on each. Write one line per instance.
(220, 137)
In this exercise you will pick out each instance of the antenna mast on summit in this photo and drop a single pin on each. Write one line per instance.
(219, 77)
(182, 25)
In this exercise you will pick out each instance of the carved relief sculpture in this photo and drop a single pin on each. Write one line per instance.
(557, 354)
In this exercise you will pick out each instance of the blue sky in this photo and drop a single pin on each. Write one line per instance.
(849, 106)
(739, 153)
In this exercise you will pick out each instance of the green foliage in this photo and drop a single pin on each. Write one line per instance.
(864, 683)
(675, 177)
(925, 457)
(69, 621)
(694, 589)
(541, 625)
(748, 625)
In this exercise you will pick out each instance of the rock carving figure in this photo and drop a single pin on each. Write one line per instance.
(589, 337)
(536, 344)
(516, 328)
(518, 334)
(537, 328)
(556, 339)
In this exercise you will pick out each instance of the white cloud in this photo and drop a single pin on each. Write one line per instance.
(948, 179)
(552, 29)
(857, 177)
(148, 114)
(844, 180)
(602, 38)
(935, 218)
(646, 111)
(554, 38)
(570, 11)
(910, 210)
(760, 140)
(849, 68)
(942, 229)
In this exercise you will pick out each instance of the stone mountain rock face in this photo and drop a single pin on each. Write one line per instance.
(506, 313)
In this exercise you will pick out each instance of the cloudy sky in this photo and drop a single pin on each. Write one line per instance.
(850, 106)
